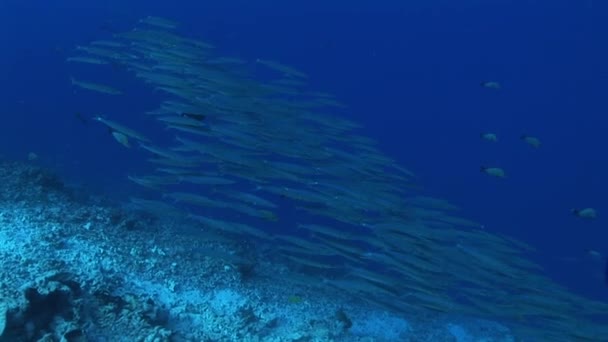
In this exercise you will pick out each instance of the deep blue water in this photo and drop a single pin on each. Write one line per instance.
(410, 72)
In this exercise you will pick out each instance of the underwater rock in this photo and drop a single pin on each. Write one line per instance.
(49, 310)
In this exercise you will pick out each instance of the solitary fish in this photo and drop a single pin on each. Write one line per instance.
(586, 213)
(494, 171)
(489, 137)
(100, 88)
(490, 85)
(532, 141)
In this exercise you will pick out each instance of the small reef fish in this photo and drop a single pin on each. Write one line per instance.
(494, 171)
(532, 141)
(491, 85)
(489, 137)
(100, 88)
(586, 213)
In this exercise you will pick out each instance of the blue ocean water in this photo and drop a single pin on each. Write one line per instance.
(409, 72)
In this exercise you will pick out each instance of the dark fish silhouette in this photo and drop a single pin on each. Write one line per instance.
(586, 213)
(81, 118)
(108, 27)
(197, 117)
(530, 140)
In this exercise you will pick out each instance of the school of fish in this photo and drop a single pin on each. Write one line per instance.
(250, 139)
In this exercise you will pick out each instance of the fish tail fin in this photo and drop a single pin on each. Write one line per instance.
(482, 168)
(574, 211)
